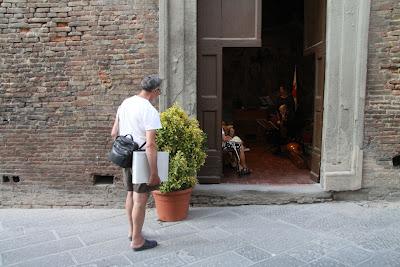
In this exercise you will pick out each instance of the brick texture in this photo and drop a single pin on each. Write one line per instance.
(382, 110)
(65, 66)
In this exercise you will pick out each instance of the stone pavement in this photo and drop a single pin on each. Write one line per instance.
(326, 234)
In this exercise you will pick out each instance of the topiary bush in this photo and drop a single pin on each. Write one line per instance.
(182, 137)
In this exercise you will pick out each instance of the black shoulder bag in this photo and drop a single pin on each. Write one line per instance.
(122, 150)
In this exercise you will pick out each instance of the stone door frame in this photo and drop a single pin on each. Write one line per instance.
(347, 25)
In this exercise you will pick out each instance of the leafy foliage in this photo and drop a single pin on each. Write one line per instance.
(182, 137)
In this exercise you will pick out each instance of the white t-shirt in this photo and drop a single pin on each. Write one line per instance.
(135, 116)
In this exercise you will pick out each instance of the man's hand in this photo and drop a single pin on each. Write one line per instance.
(154, 180)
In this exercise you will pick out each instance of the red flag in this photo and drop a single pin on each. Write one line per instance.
(294, 89)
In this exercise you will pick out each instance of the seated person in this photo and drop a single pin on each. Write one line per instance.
(236, 144)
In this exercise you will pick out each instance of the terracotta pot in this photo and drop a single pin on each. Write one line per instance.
(173, 206)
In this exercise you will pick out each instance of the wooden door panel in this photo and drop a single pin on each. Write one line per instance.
(314, 22)
(245, 27)
(209, 18)
(318, 113)
(209, 103)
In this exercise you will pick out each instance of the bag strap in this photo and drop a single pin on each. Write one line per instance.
(142, 146)
(132, 140)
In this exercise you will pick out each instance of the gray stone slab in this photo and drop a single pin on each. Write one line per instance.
(351, 255)
(170, 260)
(40, 250)
(325, 262)
(14, 232)
(101, 250)
(382, 240)
(245, 223)
(26, 240)
(213, 220)
(280, 261)
(59, 260)
(301, 218)
(174, 231)
(331, 241)
(118, 260)
(386, 259)
(214, 234)
(252, 253)
(166, 247)
(93, 226)
(276, 242)
(355, 234)
(275, 212)
(230, 259)
(210, 249)
(103, 235)
(328, 223)
(308, 252)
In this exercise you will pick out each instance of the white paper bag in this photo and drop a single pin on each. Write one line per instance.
(141, 168)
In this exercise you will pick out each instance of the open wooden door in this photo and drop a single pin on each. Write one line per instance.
(314, 44)
(221, 23)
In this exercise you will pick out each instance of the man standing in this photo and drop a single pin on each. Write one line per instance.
(137, 116)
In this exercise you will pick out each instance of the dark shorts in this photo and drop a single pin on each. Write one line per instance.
(138, 188)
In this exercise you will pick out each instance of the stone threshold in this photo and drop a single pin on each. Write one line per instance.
(242, 194)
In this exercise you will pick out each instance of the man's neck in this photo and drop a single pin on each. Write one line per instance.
(144, 94)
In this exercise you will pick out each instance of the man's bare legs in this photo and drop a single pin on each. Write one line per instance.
(128, 208)
(138, 214)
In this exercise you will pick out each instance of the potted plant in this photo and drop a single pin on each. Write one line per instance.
(182, 137)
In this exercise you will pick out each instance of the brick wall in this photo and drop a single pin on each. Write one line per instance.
(65, 66)
(382, 110)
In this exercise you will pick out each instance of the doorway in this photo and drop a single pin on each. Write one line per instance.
(277, 151)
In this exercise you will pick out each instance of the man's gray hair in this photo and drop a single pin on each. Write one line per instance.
(150, 82)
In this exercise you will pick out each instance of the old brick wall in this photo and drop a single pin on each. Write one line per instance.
(382, 110)
(65, 66)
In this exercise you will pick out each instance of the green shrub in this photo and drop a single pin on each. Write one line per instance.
(182, 137)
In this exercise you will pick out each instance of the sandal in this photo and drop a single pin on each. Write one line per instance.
(244, 171)
(148, 244)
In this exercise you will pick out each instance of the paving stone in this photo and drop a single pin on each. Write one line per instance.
(328, 223)
(325, 262)
(8, 233)
(387, 259)
(252, 253)
(279, 242)
(213, 220)
(245, 223)
(118, 260)
(300, 218)
(275, 212)
(280, 261)
(95, 226)
(103, 235)
(170, 260)
(174, 231)
(331, 241)
(227, 259)
(211, 248)
(189, 242)
(199, 212)
(43, 249)
(214, 234)
(382, 240)
(351, 255)
(101, 250)
(26, 240)
(59, 260)
(308, 252)
(355, 234)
